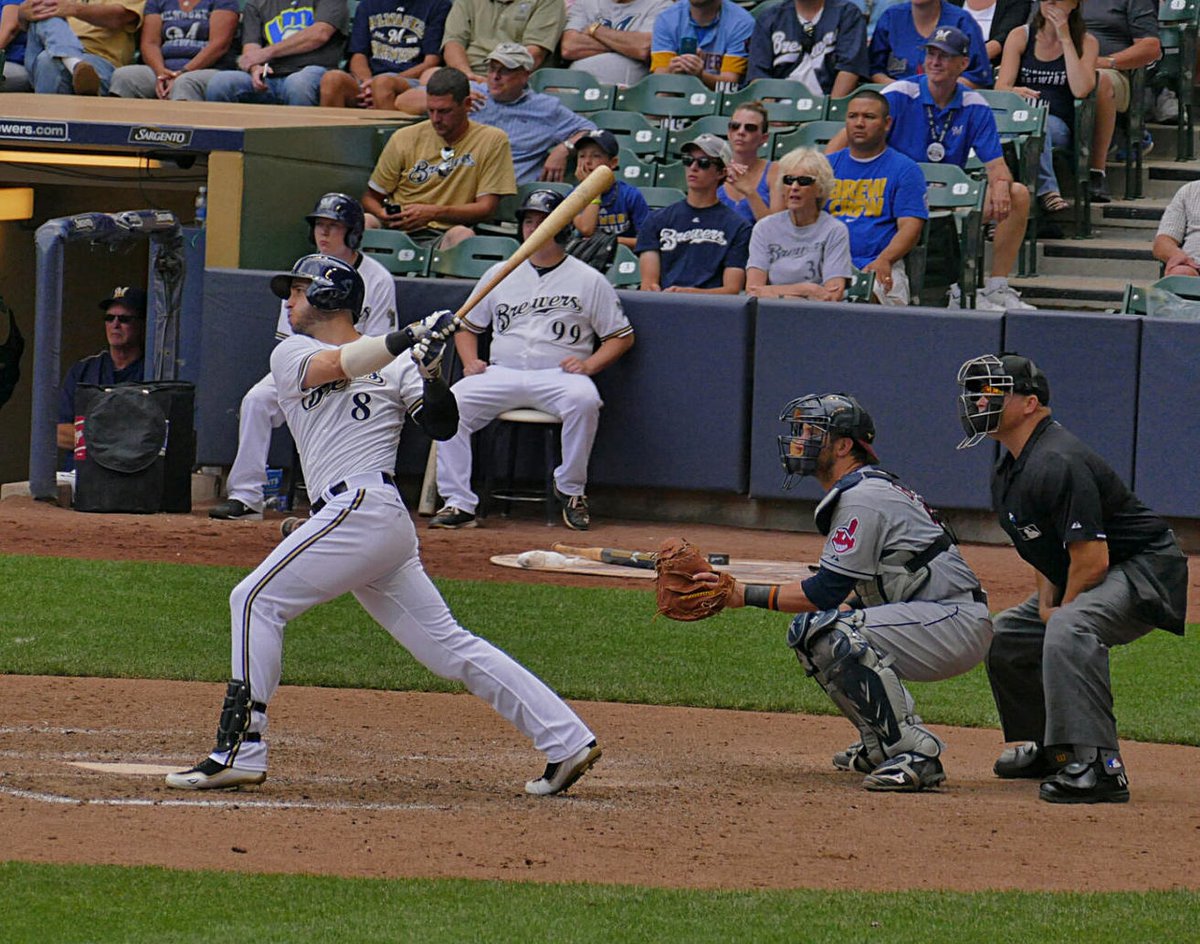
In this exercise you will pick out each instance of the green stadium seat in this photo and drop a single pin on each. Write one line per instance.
(659, 197)
(624, 271)
(576, 89)
(861, 286)
(396, 251)
(815, 134)
(835, 108)
(472, 257)
(1185, 286)
(632, 131)
(1178, 24)
(787, 101)
(671, 175)
(668, 96)
(634, 171)
(710, 124)
(956, 197)
(1022, 126)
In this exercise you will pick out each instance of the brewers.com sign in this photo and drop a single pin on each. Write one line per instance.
(161, 137)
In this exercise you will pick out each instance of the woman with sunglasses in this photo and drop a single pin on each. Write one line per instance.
(1052, 59)
(802, 252)
(750, 179)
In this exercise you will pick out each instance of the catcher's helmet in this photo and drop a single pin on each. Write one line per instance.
(334, 285)
(815, 419)
(341, 209)
(991, 378)
(543, 200)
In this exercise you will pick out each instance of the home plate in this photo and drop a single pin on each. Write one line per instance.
(136, 770)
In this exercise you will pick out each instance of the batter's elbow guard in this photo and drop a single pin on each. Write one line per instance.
(438, 415)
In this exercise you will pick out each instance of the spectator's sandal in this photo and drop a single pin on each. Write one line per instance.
(1053, 202)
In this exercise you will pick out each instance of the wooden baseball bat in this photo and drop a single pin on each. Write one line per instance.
(594, 184)
(609, 555)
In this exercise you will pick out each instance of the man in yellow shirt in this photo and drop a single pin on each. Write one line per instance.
(438, 178)
(74, 45)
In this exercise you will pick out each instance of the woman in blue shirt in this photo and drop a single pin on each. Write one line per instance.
(751, 179)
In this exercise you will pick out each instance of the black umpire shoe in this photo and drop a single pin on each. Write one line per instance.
(1095, 782)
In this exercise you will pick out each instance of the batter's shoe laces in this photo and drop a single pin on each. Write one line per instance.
(1101, 781)
(909, 772)
(234, 510)
(854, 758)
(211, 775)
(574, 510)
(559, 775)
(451, 518)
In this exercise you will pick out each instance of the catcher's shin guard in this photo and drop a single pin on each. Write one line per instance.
(235, 717)
(860, 681)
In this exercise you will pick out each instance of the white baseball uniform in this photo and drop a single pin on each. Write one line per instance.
(537, 320)
(260, 413)
(362, 541)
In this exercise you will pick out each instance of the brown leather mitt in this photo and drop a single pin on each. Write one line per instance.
(680, 596)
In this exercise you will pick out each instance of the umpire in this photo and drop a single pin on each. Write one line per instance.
(1108, 572)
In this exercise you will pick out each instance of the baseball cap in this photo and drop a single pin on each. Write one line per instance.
(605, 140)
(713, 146)
(950, 40)
(512, 56)
(1027, 377)
(133, 297)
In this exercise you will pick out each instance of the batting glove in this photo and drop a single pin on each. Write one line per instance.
(427, 355)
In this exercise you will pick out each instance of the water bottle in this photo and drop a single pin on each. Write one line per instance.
(201, 207)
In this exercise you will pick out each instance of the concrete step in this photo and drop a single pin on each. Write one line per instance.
(1160, 178)
(1121, 216)
(1073, 293)
(1166, 141)
(1102, 257)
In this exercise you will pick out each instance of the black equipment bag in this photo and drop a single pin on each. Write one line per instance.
(136, 448)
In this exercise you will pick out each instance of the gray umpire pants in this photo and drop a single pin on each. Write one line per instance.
(1051, 680)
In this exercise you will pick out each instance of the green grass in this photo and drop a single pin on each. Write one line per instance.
(138, 620)
(67, 904)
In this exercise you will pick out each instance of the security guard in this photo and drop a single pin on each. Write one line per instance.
(1108, 572)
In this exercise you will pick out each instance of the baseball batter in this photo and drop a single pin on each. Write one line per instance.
(891, 599)
(336, 228)
(546, 318)
(345, 398)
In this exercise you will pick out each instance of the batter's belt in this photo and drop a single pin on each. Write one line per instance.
(365, 480)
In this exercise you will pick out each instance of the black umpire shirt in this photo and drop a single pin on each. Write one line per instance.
(1059, 491)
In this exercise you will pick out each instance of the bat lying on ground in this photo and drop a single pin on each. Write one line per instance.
(610, 555)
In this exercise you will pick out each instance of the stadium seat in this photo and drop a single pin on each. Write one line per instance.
(1178, 23)
(787, 101)
(835, 108)
(659, 197)
(624, 271)
(1185, 286)
(814, 134)
(632, 131)
(861, 286)
(1078, 157)
(636, 172)
(710, 124)
(395, 251)
(671, 175)
(1021, 125)
(672, 97)
(472, 257)
(504, 223)
(576, 89)
(957, 198)
(1133, 124)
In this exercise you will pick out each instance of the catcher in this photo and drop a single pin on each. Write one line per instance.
(892, 598)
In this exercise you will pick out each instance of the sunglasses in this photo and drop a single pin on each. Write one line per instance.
(120, 319)
(802, 179)
(750, 126)
(704, 163)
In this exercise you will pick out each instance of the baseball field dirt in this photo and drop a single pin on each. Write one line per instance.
(393, 784)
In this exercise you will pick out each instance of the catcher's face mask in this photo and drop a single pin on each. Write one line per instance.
(984, 385)
(809, 426)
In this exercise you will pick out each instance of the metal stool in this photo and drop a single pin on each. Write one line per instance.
(507, 426)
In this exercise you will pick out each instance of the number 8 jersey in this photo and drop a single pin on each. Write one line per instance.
(538, 319)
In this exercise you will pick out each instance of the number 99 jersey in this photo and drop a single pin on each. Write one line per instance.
(537, 320)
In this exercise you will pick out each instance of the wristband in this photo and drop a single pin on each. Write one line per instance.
(367, 355)
(763, 595)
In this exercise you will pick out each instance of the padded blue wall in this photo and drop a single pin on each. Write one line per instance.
(1168, 428)
(900, 364)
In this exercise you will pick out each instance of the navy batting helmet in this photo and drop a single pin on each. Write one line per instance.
(341, 209)
(334, 285)
(545, 201)
(815, 419)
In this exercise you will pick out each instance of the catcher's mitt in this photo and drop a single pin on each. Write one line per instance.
(680, 596)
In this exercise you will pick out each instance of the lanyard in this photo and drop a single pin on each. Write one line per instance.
(935, 150)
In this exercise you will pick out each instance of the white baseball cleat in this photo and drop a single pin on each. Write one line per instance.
(210, 775)
(559, 775)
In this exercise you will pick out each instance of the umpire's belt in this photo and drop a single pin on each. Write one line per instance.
(364, 480)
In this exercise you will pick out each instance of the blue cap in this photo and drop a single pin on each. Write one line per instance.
(950, 40)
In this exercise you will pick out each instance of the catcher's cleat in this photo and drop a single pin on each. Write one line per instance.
(574, 510)
(1095, 782)
(1028, 761)
(451, 518)
(210, 775)
(559, 775)
(234, 510)
(288, 525)
(906, 773)
(854, 758)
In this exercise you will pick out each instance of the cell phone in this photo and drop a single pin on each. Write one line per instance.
(390, 208)
(687, 46)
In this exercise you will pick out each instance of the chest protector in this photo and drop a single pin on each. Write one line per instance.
(902, 573)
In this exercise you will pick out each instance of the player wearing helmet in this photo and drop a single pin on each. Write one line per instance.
(1108, 571)
(335, 227)
(556, 322)
(891, 600)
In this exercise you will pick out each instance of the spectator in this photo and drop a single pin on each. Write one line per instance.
(438, 178)
(541, 129)
(74, 47)
(12, 45)
(556, 323)
(476, 27)
(621, 210)
(751, 180)
(935, 119)
(1177, 243)
(610, 39)
(182, 49)
(286, 48)
(822, 43)
(1127, 31)
(898, 44)
(122, 361)
(996, 19)
(880, 195)
(335, 228)
(709, 39)
(1057, 67)
(698, 244)
(392, 43)
(802, 252)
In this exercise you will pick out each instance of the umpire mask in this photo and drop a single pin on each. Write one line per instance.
(984, 383)
(812, 419)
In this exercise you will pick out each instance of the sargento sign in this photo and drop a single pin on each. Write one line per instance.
(161, 137)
